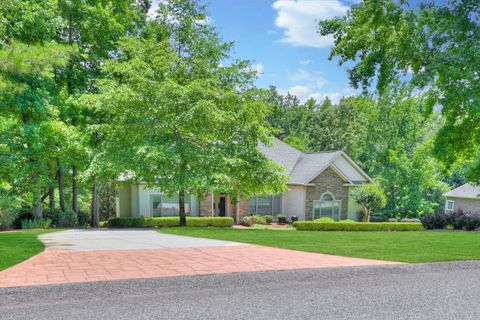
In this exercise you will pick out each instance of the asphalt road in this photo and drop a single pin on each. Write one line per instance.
(428, 291)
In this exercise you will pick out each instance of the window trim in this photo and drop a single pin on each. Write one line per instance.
(188, 199)
(272, 198)
(448, 202)
(334, 201)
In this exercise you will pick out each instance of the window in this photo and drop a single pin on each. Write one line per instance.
(164, 206)
(327, 206)
(265, 205)
(450, 205)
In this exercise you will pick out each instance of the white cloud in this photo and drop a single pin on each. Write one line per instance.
(259, 69)
(305, 62)
(312, 80)
(304, 93)
(300, 20)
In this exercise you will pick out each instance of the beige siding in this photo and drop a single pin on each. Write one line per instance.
(293, 202)
(348, 170)
(123, 201)
(354, 209)
(465, 204)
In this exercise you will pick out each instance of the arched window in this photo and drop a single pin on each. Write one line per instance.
(327, 206)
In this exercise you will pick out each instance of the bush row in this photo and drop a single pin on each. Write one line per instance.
(141, 222)
(356, 226)
(457, 219)
(257, 219)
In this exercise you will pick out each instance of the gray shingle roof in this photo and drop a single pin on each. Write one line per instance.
(281, 153)
(310, 164)
(299, 166)
(467, 191)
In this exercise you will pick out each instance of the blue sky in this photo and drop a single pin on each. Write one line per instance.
(280, 37)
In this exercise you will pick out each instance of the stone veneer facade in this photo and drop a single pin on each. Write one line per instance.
(327, 181)
(206, 206)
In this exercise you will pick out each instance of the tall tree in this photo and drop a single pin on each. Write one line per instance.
(29, 101)
(193, 124)
(433, 48)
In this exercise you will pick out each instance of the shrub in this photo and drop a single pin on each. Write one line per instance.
(357, 226)
(456, 219)
(7, 217)
(221, 222)
(141, 222)
(471, 221)
(103, 224)
(293, 219)
(8, 205)
(248, 221)
(21, 214)
(348, 221)
(282, 219)
(434, 221)
(259, 219)
(268, 218)
(61, 219)
(377, 218)
(36, 223)
(83, 218)
(324, 220)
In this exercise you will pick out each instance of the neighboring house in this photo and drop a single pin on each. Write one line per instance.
(465, 197)
(320, 186)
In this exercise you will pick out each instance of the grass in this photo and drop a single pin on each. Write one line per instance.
(412, 246)
(18, 246)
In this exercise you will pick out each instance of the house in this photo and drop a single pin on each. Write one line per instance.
(465, 197)
(320, 186)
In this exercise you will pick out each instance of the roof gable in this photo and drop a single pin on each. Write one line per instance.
(466, 191)
(304, 167)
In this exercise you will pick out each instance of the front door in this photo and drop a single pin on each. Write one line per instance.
(221, 207)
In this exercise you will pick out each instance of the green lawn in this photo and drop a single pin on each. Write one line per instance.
(18, 246)
(392, 246)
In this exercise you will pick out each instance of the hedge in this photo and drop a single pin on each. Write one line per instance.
(140, 222)
(357, 226)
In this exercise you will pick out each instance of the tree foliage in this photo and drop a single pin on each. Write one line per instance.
(432, 48)
(370, 197)
(193, 125)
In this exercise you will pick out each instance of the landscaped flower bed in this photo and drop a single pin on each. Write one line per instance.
(357, 226)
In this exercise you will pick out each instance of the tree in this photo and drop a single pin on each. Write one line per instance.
(370, 197)
(93, 28)
(29, 101)
(340, 127)
(193, 124)
(433, 48)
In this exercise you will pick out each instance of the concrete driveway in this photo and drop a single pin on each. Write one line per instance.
(105, 255)
(124, 239)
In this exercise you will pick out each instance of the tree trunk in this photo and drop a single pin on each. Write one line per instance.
(74, 189)
(108, 201)
(51, 198)
(367, 213)
(94, 205)
(181, 204)
(37, 207)
(37, 198)
(61, 190)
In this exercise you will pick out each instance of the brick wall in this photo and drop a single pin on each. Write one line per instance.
(206, 206)
(327, 181)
